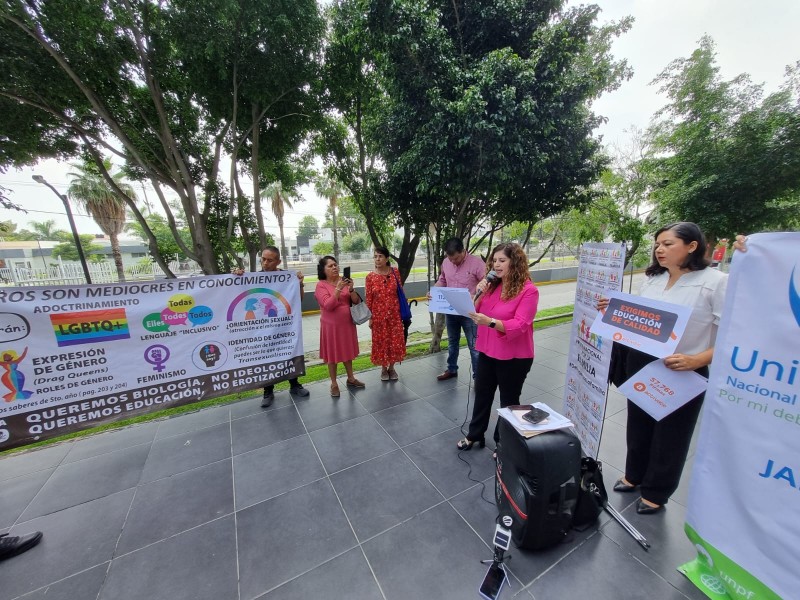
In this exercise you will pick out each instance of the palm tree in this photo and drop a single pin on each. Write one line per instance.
(332, 190)
(90, 190)
(280, 200)
(44, 230)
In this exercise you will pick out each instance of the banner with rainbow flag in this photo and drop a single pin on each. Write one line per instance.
(74, 357)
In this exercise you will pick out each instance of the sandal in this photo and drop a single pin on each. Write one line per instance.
(335, 390)
(393, 375)
(467, 444)
(384, 374)
(355, 383)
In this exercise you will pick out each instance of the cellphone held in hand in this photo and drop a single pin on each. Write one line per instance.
(493, 582)
(536, 416)
(347, 272)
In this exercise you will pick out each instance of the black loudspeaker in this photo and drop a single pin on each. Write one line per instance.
(537, 483)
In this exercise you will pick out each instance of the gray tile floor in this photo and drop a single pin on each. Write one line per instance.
(362, 497)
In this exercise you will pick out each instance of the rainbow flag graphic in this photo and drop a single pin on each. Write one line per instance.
(90, 327)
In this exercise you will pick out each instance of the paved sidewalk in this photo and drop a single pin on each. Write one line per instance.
(363, 497)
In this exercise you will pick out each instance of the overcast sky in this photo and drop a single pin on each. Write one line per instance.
(759, 37)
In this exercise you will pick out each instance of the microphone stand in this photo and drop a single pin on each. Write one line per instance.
(502, 541)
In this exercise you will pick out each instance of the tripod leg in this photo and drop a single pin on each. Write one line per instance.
(627, 526)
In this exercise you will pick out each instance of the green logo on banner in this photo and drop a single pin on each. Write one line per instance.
(153, 322)
(717, 576)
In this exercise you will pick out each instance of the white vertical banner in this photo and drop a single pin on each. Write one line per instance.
(744, 500)
(599, 271)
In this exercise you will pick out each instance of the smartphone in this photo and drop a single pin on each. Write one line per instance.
(493, 582)
(347, 272)
(535, 415)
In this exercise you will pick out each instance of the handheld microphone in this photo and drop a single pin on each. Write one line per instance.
(490, 277)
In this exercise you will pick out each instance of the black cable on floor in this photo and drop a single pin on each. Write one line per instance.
(461, 458)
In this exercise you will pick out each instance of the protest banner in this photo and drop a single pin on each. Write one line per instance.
(650, 326)
(599, 272)
(744, 496)
(76, 357)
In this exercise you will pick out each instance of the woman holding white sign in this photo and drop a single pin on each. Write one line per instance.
(657, 450)
(507, 308)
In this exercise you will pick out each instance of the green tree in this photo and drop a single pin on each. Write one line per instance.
(487, 107)
(308, 227)
(172, 88)
(349, 219)
(104, 204)
(457, 114)
(333, 191)
(358, 242)
(8, 228)
(729, 157)
(323, 248)
(68, 251)
(166, 245)
(280, 198)
(45, 229)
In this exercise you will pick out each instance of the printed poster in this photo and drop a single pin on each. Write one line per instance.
(744, 498)
(599, 272)
(659, 391)
(74, 357)
(650, 326)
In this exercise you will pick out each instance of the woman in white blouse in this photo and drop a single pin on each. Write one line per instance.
(657, 450)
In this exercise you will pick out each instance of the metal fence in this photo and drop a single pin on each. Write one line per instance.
(71, 273)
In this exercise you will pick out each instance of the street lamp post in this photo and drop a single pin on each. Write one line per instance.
(41, 254)
(40, 179)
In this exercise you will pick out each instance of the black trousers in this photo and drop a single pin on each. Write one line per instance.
(508, 375)
(657, 450)
(292, 383)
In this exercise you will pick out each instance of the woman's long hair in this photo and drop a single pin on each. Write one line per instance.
(517, 273)
(688, 232)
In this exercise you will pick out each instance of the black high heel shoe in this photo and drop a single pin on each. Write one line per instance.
(621, 486)
(643, 508)
(467, 444)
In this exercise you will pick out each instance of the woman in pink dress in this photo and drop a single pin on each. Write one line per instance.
(338, 340)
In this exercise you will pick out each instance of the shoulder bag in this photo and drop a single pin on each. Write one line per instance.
(360, 312)
(405, 309)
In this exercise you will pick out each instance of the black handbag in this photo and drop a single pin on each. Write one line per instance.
(592, 496)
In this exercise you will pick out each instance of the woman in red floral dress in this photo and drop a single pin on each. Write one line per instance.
(388, 341)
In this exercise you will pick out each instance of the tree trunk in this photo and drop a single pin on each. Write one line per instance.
(437, 327)
(335, 235)
(283, 242)
(117, 256)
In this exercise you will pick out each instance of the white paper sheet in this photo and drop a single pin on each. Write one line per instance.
(438, 303)
(460, 300)
(551, 423)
